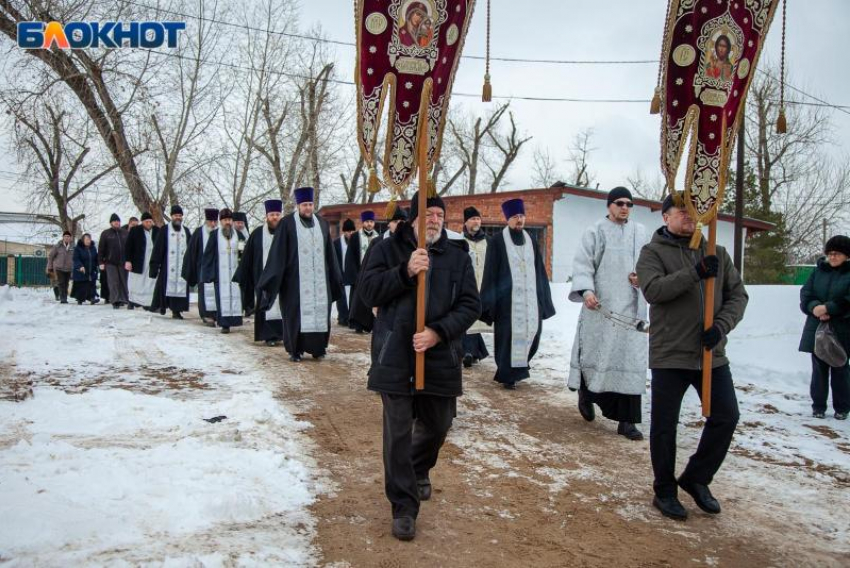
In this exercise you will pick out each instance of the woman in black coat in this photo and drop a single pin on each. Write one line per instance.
(85, 271)
(826, 297)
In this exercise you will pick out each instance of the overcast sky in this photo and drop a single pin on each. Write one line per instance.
(626, 135)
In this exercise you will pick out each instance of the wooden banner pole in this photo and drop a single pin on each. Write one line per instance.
(420, 280)
(709, 321)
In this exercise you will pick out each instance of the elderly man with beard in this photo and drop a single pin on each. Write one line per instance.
(515, 296)
(268, 324)
(166, 262)
(303, 275)
(221, 258)
(416, 422)
(672, 277)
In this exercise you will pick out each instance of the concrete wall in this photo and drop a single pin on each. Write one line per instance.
(572, 214)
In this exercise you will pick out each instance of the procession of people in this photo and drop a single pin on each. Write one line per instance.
(287, 273)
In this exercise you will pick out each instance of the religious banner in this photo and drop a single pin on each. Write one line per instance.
(407, 54)
(709, 56)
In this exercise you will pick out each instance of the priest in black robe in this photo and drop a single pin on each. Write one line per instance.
(240, 223)
(515, 295)
(268, 324)
(340, 248)
(302, 272)
(474, 348)
(169, 250)
(137, 254)
(192, 266)
(358, 244)
(220, 261)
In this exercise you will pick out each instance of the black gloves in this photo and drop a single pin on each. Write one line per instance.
(711, 337)
(708, 267)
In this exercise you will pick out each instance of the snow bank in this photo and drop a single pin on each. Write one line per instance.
(111, 460)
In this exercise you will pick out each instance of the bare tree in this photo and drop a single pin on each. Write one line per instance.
(544, 170)
(579, 155)
(470, 137)
(649, 188)
(95, 77)
(55, 150)
(508, 146)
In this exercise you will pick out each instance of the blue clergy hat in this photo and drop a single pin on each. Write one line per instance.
(367, 216)
(273, 206)
(513, 207)
(304, 195)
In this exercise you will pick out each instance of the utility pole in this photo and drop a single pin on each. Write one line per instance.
(739, 195)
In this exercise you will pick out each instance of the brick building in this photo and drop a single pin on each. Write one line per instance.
(556, 216)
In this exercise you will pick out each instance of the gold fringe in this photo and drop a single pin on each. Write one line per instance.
(391, 207)
(697, 238)
(781, 122)
(432, 189)
(374, 183)
(655, 105)
(487, 91)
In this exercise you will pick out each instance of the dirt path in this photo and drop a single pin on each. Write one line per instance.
(521, 481)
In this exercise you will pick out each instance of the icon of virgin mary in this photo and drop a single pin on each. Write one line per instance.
(416, 26)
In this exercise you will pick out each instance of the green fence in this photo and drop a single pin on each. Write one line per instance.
(798, 274)
(31, 271)
(4, 270)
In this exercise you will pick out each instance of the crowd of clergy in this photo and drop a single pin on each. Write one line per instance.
(287, 272)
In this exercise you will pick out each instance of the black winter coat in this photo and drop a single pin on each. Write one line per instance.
(111, 246)
(134, 251)
(86, 258)
(831, 287)
(452, 304)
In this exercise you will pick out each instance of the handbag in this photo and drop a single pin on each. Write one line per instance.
(827, 346)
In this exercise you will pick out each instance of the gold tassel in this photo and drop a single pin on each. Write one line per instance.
(781, 122)
(432, 189)
(391, 207)
(374, 183)
(655, 105)
(697, 237)
(487, 92)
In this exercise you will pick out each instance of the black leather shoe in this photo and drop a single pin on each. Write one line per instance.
(225, 330)
(585, 407)
(404, 528)
(670, 507)
(295, 358)
(629, 430)
(271, 343)
(818, 414)
(131, 307)
(467, 360)
(702, 496)
(176, 315)
(424, 489)
(840, 415)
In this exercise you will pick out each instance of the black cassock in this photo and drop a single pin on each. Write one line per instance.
(160, 269)
(210, 275)
(358, 312)
(281, 279)
(248, 275)
(192, 270)
(496, 302)
(342, 304)
(352, 265)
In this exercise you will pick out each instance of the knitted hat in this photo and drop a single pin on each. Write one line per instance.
(114, 217)
(348, 225)
(513, 207)
(469, 213)
(838, 243)
(617, 193)
(432, 202)
(146, 216)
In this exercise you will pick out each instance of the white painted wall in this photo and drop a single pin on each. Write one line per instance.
(572, 214)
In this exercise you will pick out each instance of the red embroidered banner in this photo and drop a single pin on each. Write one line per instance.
(711, 48)
(409, 50)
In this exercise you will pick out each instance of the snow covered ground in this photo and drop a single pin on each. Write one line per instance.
(112, 462)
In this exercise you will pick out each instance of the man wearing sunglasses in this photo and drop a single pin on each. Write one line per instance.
(608, 363)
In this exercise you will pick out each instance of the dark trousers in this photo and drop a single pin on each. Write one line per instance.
(821, 372)
(415, 428)
(63, 278)
(668, 389)
(342, 309)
